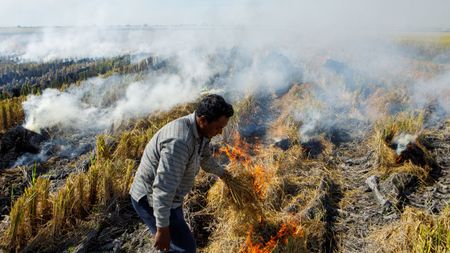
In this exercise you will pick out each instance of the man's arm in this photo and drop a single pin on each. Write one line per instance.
(172, 164)
(209, 163)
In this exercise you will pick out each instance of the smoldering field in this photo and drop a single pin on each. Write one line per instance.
(318, 114)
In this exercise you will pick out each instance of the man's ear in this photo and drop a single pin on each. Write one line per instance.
(203, 121)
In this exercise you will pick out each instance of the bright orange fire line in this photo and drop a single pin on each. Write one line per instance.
(286, 230)
(239, 154)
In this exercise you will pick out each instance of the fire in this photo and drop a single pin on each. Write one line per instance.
(286, 231)
(239, 154)
(242, 155)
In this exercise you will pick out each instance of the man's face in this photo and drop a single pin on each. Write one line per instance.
(211, 129)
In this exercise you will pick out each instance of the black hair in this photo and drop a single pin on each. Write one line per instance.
(212, 107)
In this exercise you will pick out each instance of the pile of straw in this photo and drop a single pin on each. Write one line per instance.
(236, 191)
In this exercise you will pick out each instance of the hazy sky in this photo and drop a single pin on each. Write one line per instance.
(397, 13)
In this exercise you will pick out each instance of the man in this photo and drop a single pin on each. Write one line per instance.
(170, 162)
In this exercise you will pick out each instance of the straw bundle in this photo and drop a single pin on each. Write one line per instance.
(237, 192)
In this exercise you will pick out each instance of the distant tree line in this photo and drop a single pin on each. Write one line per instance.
(18, 79)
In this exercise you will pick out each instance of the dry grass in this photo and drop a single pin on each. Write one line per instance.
(416, 232)
(299, 99)
(383, 103)
(237, 191)
(237, 199)
(285, 125)
(282, 184)
(11, 112)
(289, 237)
(28, 214)
(38, 215)
(382, 140)
(242, 110)
(265, 184)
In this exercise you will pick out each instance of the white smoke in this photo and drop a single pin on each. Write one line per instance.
(46, 44)
(245, 47)
(196, 61)
(141, 99)
(436, 89)
(98, 103)
(310, 120)
(63, 109)
(402, 140)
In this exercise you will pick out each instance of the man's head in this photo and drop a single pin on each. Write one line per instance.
(212, 115)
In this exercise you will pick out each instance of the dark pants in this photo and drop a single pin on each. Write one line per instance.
(181, 239)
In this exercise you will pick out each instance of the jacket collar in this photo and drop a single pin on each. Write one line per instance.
(193, 125)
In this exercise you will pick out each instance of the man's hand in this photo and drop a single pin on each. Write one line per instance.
(162, 240)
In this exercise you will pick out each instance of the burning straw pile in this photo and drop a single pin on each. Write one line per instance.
(238, 193)
(397, 146)
(249, 204)
(270, 200)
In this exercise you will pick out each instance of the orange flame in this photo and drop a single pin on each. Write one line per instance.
(286, 231)
(239, 153)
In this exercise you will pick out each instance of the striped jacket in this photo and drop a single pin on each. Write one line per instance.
(168, 167)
